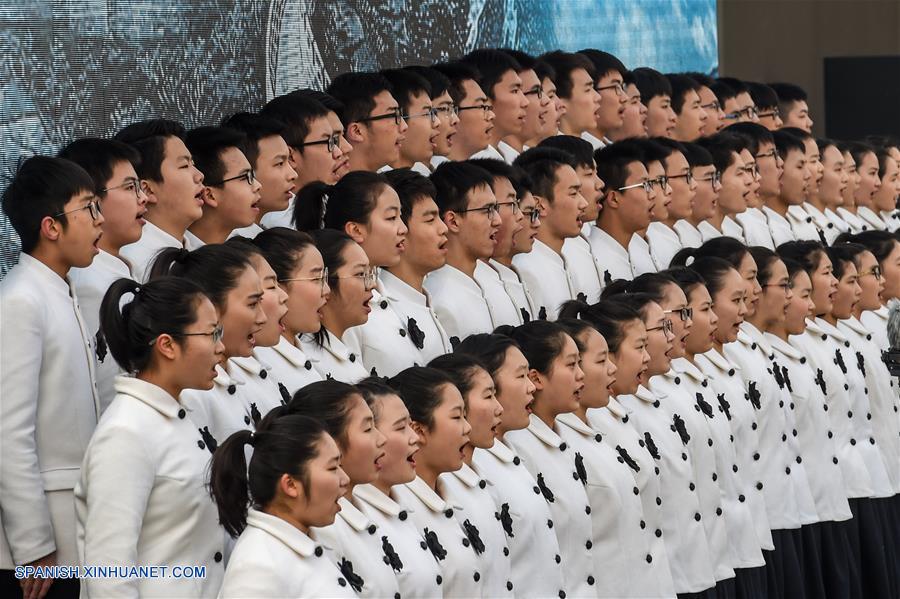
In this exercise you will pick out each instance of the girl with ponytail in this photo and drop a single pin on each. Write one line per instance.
(292, 484)
(167, 336)
(886, 249)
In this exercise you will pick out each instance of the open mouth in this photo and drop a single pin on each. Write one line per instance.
(199, 197)
(411, 458)
(378, 461)
(281, 326)
(251, 339)
(366, 305)
(529, 407)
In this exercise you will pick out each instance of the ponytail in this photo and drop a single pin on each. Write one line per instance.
(573, 309)
(617, 287)
(352, 199)
(610, 318)
(164, 306)
(216, 268)
(311, 206)
(541, 341)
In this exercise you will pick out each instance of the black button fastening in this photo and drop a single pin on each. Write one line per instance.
(402, 515)
(734, 468)
(794, 432)
(506, 551)
(649, 558)
(307, 365)
(697, 516)
(263, 374)
(753, 426)
(182, 413)
(557, 558)
(756, 456)
(659, 501)
(587, 509)
(517, 461)
(715, 477)
(835, 460)
(636, 491)
(383, 304)
(318, 551)
(403, 332)
(830, 434)
(396, 595)
(448, 512)
(342, 582)
(424, 545)
(799, 460)
(871, 440)
(684, 457)
(852, 441)
(741, 498)
(677, 380)
(759, 486)
(371, 529)
(465, 542)
(658, 533)
(549, 523)
(709, 442)
(536, 489)
(562, 595)
(718, 511)
(781, 403)
(590, 580)
(201, 444)
(787, 470)
(217, 557)
(439, 579)
(562, 446)
(509, 585)
(598, 437)
(477, 576)
(232, 389)
(691, 486)
(783, 437)
(588, 545)
(482, 484)
(352, 357)
(643, 525)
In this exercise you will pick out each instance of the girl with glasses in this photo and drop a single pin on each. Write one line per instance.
(166, 335)
(886, 249)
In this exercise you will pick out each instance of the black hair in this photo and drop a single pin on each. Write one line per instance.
(613, 160)
(542, 165)
(498, 169)
(727, 248)
(603, 62)
(786, 142)
(462, 368)
(713, 271)
(754, 133)
(723, 92)
(99, 157)
(793, 267)
(807, 253)
(371, 388)
(329, 402)
(492, 65)
(352, 199)
(419, 388)
(697, 155)
(282, 247)
(526, 61)
(798, 132)
(438, 83)
(702, 79)
(880, 243)
(575, 327)
(824, 143)
(883, 154)
(297, 112)
(652, 284)
(490, 349)
(282, 444)
(608, 317)
(452, 183)
(255, 128)
(245, 245)
(207, 144)
(652, 149)
(858, 150)
(330, 103)
(215, 267)
(405, 84)
(671, 146)
(41, 187)
(165, 306)
(763, 95)
(544, 71)
(411, 187)
(563, 65)
(149, 139)
(765, 259)
(541, 341)
(521, 182)
(651, 83)
(734, 83)
(688, 279)
(681, 85)
(357, 91)
(722, 147)
(457, 73)
(582, 151)
(842, 253)
(331, 244)
(788, 94)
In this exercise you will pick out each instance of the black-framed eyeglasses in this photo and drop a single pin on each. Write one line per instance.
(216, 335)
(752, 170)
(786, 287)
(369, 276)
(619, 87)
(875, 271)
(537, 90)
(770, 154)
(646, 185)
(662, 181)
(395, 114)
(451, 109)
(688, 177)
(333, 141)
(714, 178)
(492, 210)
(431, 113)
(774, 113)
(685, 314)
(486, 108)
(249, 177)
(666, 327)
(132, 184)
(750, 111)
(533, 215)
(514, 205)
(92, 206)
(322, 279)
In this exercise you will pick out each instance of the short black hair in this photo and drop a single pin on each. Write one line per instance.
(149, 139)
(452, 183)
(603, 62)
(671, 147)
(651, 83)
(254, 127)
(613, 160)
(296, 112)
(526, 61)
(786, 141)
(858, 150)
(405, 84)
(788, 94)
(763, 95)
(582, 151)
(457, 72)
(99, 157)
(701, 78)
(492, 65)
(681, 85)
(521, 182)
(734, 83)
(755, 133)
(652, 149)
(544, 71)
(697, 155)
(326, 100)
(798, 132)
(497, 168)
(723, 92)
(722, 146)
(439, 82)
(563, 64)
(542, 165)
(207, 145)
(357, 91)
(41, 187)
(411, 187)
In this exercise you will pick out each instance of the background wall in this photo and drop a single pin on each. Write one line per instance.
(74, 68)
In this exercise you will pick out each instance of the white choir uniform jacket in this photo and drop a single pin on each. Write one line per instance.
(387, 344)
(689, 235)
(272, 558)
(290, 366)
(488, 152)
(690, 561)
(784, 483)
(260, 388)
(871, 218)
(90, 285)
(826, 229)
(639, 254)
(708, 231)
(614, 259)
(462, 567)
(876, 322)
(552, 463)
(402, 545)
(680, 385)
(839, 223)
(728, 391)
(142, 252)
(779, 227)
(415, 312)
(802, 224)
(49, 405)
(891, 219)
(622, 542)
(730, 228)
(817, 440)
(547, 277)
(756, 228)
(516, 290)
(595, 141)
(279, 218)
(856, 224)
(860, 414)
(503, 309)
(250, 231)
(664, 244)
(142, 497)
(524, 513)
(353, 543)
(884, 399)
(192, 242)
(480, 519)
(438, 160)
(584, 272)
(508, 152)
(458, 302)
(336, 358)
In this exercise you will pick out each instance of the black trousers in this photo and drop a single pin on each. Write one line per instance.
(784, 565)
(60, 589)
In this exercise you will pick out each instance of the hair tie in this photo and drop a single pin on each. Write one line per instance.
(137, 289)
(323, 210)
(252, 440)
(689, 261)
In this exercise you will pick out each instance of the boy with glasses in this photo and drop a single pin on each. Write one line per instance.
(691, 116)
(173, 185)
(792, 106)
(374, 122)
(759, 142)
(644, 257)
(656, 95)
(737, 182)
(475, 116)
(470, 211)
(575, 82)
(48, 393)
(738, 108)
(766, 101)
(709, 102)
(661, 234)
(110, 165)
(447, 113)
(634, 119)
(706, 196)
(231, 191)
(413, 94)
(794, 184)
(811, 224)
(537, 111)
(610, 84)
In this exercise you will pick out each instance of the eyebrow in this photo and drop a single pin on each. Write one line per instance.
(255, 296)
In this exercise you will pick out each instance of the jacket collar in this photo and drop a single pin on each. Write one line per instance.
(293, 354)
(855, 325)
(784, 347)
(616, 409)
(756, 336)
(575, 423)
(223, 377)
(285, 532)
(336, 347)
(398, 289)
(45, 274)
(830, 330)
(539, 429)
(646, 395)
(429, 497)
(684, 367)
(720, 362)
(797, 214)
(150, 394)
(249, 365)
(372, 496)
(467, 476)
(501, 451)
(351, 515)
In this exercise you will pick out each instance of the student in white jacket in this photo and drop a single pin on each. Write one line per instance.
(293, 484)
(168, 337)
(48, 393)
